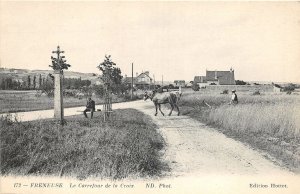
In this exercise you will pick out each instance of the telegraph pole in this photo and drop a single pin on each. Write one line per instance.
(131, 81)
(154, 82)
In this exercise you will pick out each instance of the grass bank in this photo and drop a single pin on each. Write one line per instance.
(126, 147)
(267, 122)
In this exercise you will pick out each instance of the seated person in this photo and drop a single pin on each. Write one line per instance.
(90, 107)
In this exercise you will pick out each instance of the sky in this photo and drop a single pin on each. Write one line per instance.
(179, 40)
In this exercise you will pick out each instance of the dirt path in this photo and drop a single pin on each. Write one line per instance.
(193, 148)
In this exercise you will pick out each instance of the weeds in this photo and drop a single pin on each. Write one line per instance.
(268, 121)
(126, 147)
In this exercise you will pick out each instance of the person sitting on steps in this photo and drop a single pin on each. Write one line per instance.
(90, 107)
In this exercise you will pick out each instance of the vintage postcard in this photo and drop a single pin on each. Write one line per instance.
(149, 97)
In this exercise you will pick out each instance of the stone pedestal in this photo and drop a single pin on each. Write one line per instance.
(58, 96)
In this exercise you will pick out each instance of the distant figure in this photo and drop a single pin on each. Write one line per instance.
(234, 98)
(90, 107)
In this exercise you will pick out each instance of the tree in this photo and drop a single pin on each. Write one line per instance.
(28, 82)
(48, 86)
(34, 82)
(110, 74)
(240, 82)
(99, 90)
(171, 86)
(195, 87)
(40, 81)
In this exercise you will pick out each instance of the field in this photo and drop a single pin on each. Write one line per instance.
(128, 147)
(268, 122)
(22, 101)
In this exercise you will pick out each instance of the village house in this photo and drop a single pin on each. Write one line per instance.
(276, 88)
(216, 78)
(141, 81)
(179, 83)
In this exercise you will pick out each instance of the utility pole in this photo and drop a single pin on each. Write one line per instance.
(131, 81)
(154, 81)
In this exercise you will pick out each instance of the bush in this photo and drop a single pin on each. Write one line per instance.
(99, 90)
(256, 93)
(225, 92)
(195, 87)
(289, 88)
(240, 82)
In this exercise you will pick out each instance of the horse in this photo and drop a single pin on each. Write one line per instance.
(163, 98)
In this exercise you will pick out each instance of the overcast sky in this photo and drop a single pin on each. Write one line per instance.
(261, 41)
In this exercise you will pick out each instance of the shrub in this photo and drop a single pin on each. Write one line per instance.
(240, 82)
(99, 90)
(289, 88)
(195, 87)
(256, 93)
(225, 92)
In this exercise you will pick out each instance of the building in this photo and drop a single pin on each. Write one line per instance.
(179, 83)
(276, 88)
(216, 78)
(141, 81)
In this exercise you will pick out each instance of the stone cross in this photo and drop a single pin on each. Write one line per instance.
(58, 90)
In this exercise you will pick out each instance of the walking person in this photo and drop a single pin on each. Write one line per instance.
(234, 98)
(90, 107)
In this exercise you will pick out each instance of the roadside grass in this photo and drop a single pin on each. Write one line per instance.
(126, 147)
(23, 101)
(268, 122)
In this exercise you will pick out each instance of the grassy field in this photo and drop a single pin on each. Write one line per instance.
(128, 146)
(269, 122)
(22, 101)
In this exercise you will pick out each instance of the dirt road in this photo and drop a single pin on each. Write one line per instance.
(192, 148)
(195, 149)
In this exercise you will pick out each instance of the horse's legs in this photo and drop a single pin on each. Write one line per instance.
(177, 109)
(155, 109)
(172, 107)
(160, 110)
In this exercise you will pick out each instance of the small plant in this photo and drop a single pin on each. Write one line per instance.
(195, 87)
(225, 92)
(256, 93)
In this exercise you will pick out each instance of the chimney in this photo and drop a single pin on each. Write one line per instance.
(125, 75)
(136, 74)
(231, 70)
(216, 74)
(147, 73)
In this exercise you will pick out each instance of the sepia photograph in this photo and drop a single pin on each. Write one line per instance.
(156, 97)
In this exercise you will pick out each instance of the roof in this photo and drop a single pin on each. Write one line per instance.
(144, 73)
(128, 79)
(224, 77)
(179, 81)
